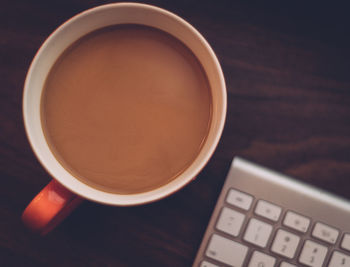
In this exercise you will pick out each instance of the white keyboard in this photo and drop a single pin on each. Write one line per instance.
(266, 219)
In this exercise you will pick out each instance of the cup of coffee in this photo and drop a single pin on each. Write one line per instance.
(123, 105)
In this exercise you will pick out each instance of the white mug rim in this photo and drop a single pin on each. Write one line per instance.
(122, 199)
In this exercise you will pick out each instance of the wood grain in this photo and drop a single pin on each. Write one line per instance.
(287, 69)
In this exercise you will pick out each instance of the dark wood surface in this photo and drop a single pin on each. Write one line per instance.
(287, 69)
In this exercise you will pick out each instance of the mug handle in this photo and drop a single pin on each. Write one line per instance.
(48, 208)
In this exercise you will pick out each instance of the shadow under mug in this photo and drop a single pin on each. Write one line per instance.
(65, 192)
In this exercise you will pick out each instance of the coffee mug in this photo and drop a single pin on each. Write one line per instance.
(65, 192)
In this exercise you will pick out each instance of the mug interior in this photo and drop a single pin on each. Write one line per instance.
(85, 23)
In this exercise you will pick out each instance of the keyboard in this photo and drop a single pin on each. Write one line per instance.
(266, 219)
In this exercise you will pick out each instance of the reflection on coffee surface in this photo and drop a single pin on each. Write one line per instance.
(126, 109)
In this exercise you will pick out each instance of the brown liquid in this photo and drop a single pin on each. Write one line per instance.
(126, 109)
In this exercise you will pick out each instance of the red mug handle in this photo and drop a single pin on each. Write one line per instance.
(48, 208)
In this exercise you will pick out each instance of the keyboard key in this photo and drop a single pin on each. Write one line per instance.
(296, 222)
(226, 251)
(345, 244)
(268, 210)
(313, 254)
(286, 264)
(261, 260)
(239, 199)
(285, 244)
(258, 232)
(339, 260)
(325, 233)
(230, 221)
(208, 264)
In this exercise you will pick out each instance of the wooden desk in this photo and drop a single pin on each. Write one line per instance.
(287, 70)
